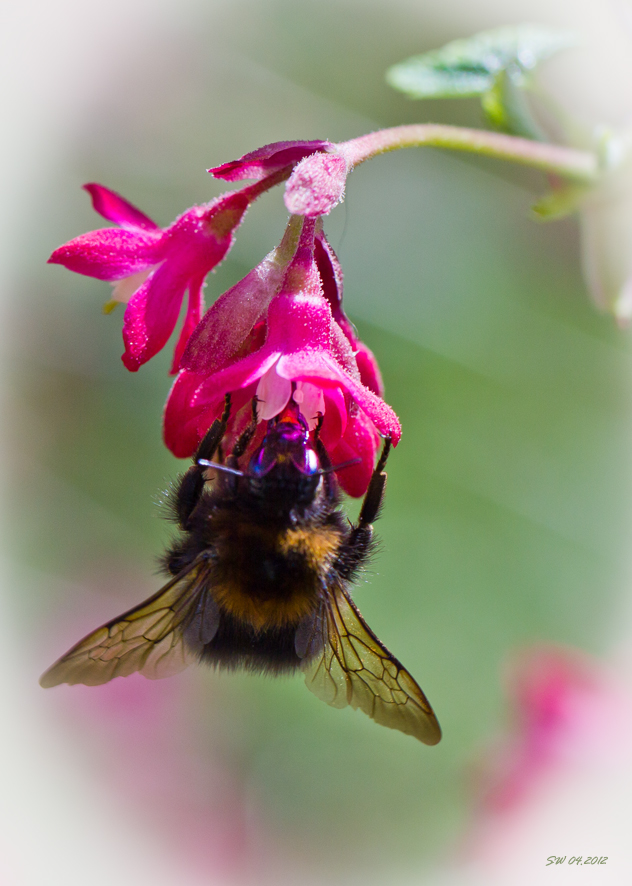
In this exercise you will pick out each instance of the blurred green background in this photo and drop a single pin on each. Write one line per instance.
(508, 505)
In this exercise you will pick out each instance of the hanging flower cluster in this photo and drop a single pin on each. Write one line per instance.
(279, 334)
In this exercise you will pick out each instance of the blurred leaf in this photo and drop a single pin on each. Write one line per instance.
(470, 66)
(494, 64)
(431, 76)
(506, 108)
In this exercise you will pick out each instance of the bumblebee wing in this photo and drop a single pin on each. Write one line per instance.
(347, 665)
(148, 638)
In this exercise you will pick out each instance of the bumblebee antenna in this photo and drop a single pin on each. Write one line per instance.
(344, 464)
(204, 462)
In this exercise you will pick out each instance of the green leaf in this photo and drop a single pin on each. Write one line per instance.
(507, 109)
(470, 67)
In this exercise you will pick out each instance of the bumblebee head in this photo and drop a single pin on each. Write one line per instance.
(285, 470)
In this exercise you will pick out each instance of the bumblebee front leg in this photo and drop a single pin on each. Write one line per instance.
(374, 496)
(358, 544)
(192, 483)
(244, 439)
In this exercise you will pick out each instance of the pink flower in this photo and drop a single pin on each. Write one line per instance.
(280, 334)
(155, 266)
(318, 173)
(268, 159)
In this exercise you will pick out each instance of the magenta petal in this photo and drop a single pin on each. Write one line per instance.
(110, 253)
(151, 315)
(342, 350)
(321, 366)
(227, 325)
(330, 273)
(191, 321)
(370, 374)
(112, 206)
(359, 441)
(257, 164)
(316, 185)
(238, 375)
(332, 283)
(181, 418)
(299, 322)
(336, 417)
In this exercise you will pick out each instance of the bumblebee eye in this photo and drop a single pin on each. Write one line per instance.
(306, 461)
(311, 462)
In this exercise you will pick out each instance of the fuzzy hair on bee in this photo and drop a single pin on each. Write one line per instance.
(259, 579)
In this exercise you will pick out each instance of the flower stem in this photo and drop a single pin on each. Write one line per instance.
(580, 166)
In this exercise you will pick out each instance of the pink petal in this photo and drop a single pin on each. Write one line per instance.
(238, 375)
(336, 416)
(227, 325)
(273, 394)
(316, 185)
(330, 273)
(200, 237)
(299, 322)
(370, 374)
(257, 164)
(342, 350)
(110, 253)
(311, 402)
(322, 367)
(151, 315)
(125, 288)
(188, 415)
(191, 321)
(360, 441)
(181, 418)
(332, 282)
(112, 206)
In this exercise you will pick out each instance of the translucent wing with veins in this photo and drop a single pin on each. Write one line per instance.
(149, 638)
(347, 665)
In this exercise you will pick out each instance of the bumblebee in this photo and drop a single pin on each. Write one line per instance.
(259, 580)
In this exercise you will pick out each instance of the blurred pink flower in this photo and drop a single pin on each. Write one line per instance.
(280, 334)
(155, 266)
(551, 790)
(545, 685)
(170, 779)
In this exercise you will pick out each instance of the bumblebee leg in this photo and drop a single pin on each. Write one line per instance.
(319, 424)
(357, 546)
(329, 478)
(242, 443)
(192, 481)
(214, 435)
(374, 496)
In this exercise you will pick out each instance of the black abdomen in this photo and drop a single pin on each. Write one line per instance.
(238, 645)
